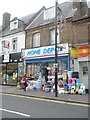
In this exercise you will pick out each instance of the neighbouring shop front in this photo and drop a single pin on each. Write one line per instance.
(0, 70)
(12, 68)
(42, 60)
(81, 57)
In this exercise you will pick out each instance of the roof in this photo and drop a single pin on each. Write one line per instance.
(0, 28)
(25, 19)
(67, 9)
(0, 31)
(23, 22)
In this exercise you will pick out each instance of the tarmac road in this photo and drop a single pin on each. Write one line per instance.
(16, 106)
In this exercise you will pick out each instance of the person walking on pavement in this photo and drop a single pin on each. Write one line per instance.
(25, 79)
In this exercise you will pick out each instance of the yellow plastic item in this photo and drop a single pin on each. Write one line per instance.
(31, 88)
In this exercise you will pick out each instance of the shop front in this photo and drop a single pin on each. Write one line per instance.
(42, 60)
(0, 70)
(81, 55)
(12, 69)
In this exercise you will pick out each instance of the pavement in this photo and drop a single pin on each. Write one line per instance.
(76, 98)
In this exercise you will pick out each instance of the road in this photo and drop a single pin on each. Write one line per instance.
(14, 106)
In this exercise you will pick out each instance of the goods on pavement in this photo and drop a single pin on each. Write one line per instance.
(71, 86)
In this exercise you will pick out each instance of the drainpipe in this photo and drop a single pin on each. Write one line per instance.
(74, 34)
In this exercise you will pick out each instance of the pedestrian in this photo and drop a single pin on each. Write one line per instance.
(25, 79)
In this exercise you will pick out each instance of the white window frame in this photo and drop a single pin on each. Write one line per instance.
(14, 43)
(49, 13)
(36, 39)
(3, 45)
(14, 25)
(53, 36)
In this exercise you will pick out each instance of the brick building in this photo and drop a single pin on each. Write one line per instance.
(73, 30)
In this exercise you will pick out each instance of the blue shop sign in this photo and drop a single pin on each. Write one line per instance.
(44, 51)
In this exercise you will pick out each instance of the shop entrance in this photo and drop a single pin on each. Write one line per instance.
(45, 71)
(83, 73)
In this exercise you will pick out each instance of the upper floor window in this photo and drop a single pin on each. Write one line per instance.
(14, 43)
(36, 40)
(14, 25)
(53, 36)
(3, 45)
(49, 13)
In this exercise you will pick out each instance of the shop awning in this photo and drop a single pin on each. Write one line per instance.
(50, 59)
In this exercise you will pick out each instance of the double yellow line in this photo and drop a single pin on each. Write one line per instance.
(47, 100)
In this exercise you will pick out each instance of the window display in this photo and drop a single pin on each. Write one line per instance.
(33, 70)
(3, 73)
(20, 71)
(12, 73)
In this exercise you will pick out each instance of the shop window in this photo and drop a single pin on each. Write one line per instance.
(20, 71)
(63, 66)
(12, 73)
(3, 73)
(36, 40)
(53, 36)
(14, 42)
(33, 70)
(85, 70)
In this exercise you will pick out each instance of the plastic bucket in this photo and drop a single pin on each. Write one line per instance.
(77, 85)
(77, 81)
(70, 74)
(69, 80)
(69, 85)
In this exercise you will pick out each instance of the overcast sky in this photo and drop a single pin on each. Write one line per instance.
(20, 8)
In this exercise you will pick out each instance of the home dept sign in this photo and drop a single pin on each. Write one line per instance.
(46, 51)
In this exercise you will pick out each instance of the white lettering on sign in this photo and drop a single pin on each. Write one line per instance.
(45, 51)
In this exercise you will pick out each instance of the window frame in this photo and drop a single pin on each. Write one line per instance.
(14, 25)
(58, 39)
(3, 45)
(36, 39)
(14, 44)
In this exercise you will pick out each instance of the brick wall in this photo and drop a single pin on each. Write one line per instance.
(29, 40)
(67, 34)
(45, 36)
(81, 33)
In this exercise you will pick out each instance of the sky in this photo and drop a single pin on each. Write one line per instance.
(20, 8)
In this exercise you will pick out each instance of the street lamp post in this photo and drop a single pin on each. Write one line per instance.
(22, 56)
(56, 3)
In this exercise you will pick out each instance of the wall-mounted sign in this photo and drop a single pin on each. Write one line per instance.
(6, 57)
(46, 51)
(80, 51)
(7, 44)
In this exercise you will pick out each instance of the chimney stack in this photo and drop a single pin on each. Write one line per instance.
(6, 20)
(84, 8)
(77, 5)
